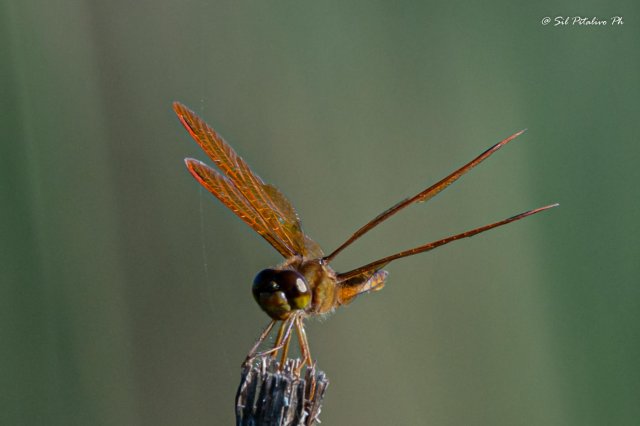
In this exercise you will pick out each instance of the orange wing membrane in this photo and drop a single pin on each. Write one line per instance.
(371, 268)
(258, 204)
(423, 196)
(226, 192)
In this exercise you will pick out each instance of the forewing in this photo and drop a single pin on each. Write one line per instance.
(275, 210)
(226, 192)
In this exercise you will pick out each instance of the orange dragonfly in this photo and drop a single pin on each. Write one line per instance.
(304, 285)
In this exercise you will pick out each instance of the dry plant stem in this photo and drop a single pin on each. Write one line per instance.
(273, 394)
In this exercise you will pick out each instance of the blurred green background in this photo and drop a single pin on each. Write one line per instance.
(125, 288)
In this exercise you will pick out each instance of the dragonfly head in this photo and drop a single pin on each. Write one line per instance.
(279, 293)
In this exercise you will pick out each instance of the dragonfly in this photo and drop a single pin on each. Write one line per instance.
(304, 285)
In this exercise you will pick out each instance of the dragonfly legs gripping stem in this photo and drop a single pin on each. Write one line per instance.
(283, 341)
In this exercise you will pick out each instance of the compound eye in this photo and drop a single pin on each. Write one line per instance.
(265, 282)
(280, 292)
(296, 289)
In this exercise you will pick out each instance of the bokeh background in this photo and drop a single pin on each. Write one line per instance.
(125, 288)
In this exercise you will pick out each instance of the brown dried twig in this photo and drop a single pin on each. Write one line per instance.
(271, 395)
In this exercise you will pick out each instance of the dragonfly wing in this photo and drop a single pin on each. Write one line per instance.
(269, 203)
(226, 192)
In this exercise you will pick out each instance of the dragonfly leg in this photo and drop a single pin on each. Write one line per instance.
(304, 344)
(260, 339)
(284, 335)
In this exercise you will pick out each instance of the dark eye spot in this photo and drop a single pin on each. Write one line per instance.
(270, 286)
